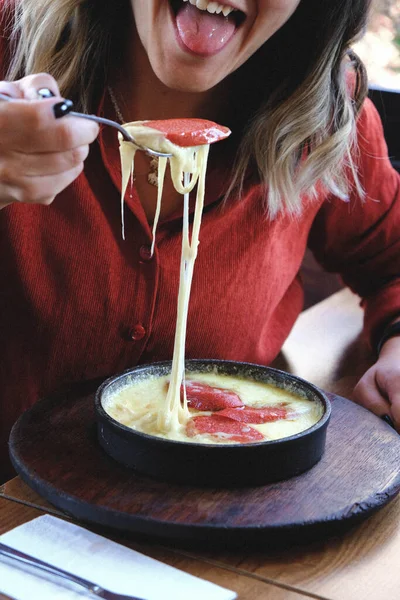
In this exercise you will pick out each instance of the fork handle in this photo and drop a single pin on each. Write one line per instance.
(46, 567)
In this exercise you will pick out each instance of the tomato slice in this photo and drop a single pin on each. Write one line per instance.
(201, 396)
(223, 429)
(247, 414)
(190, 132)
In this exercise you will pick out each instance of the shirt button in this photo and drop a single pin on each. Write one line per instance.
(145, 253)
(137, 333)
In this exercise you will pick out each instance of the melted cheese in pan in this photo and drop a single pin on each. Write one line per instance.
(188, 168)
(138, 405)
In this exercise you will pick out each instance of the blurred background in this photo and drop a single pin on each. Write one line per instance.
(380, 46)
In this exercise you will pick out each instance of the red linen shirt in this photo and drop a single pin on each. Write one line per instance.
(77, 302)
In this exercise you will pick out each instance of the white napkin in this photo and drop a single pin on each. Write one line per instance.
(96, 558)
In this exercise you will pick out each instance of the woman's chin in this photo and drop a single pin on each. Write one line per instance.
(189, 80)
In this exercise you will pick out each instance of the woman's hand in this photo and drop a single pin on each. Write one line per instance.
(39, 154)
(379, 388)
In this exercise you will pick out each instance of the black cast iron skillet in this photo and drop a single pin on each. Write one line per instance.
(213, 464)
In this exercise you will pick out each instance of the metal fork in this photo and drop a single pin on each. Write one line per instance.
(65, 108)
(91, 587)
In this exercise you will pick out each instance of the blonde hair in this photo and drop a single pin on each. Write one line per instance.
(298, 127)
(307, 143)
(70, 39)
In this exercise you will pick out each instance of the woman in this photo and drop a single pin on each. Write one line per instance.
(310, 167)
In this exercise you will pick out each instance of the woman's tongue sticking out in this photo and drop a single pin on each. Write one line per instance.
(203, 32)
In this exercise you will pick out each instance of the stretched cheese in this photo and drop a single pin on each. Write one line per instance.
(188, 165)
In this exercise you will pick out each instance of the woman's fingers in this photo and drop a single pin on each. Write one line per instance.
(395, 409)
(31, 127)
(388, 382)
(43, 175)
(42, 164)
(31, 85)
(368, 394)
(40, 154)
(11, 89)
(38, 190)
(28, 124)
(379, 388)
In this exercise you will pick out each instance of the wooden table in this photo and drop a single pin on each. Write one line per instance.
(362, 564)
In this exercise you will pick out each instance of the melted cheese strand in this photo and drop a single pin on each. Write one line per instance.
(177, 413)
(174, 412)
(185, 162)
(188, 167)
(201, 190)
(162, 164)
(127, 152)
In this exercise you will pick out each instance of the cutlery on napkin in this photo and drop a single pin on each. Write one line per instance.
(91, 556)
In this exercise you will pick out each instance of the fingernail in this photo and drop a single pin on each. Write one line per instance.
(62, 108)
(388, 420)
(45, 93)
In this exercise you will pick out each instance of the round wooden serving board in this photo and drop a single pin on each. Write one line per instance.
(54, 448)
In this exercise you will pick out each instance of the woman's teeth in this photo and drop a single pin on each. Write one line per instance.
(212, 7)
